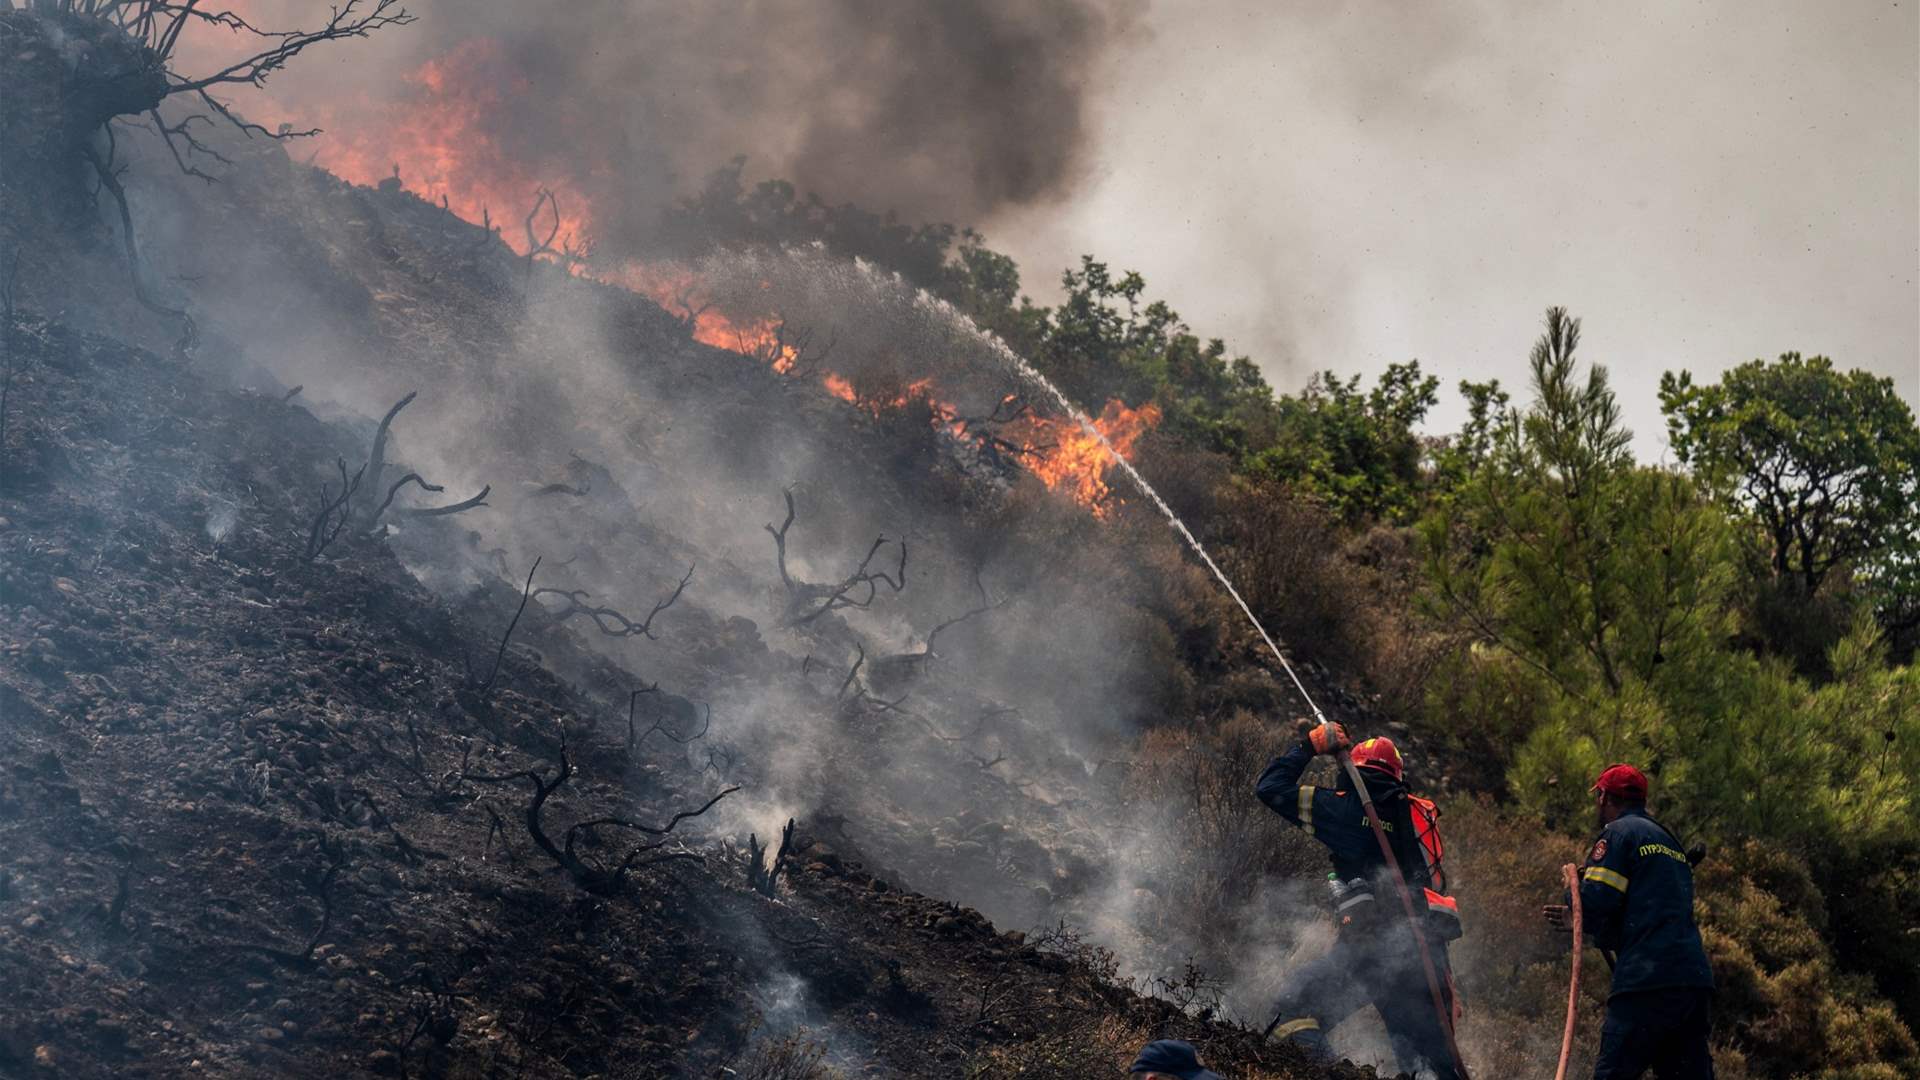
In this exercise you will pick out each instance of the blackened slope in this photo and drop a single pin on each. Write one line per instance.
(199, 723)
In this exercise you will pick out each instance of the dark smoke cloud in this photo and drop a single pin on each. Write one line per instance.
(949, 110)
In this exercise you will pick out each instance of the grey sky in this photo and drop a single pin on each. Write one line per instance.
(1343, 186)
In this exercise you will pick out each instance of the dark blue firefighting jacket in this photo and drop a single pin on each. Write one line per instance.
(1636, 892)
(1334, 817)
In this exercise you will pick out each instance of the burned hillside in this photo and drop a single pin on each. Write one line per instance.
(273, 812)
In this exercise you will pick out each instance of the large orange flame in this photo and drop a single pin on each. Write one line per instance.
(1067, 457)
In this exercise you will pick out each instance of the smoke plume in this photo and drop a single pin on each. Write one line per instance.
(939, 111)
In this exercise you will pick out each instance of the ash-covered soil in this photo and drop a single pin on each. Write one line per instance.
(252, 820)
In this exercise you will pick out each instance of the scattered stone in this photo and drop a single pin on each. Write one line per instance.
(271, 1034)
(111, 1031)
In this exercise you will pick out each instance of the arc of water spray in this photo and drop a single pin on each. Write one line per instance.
(1030, 374)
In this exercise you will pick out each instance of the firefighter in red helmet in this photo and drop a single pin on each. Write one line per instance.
(1375, 958)
(1636, 891)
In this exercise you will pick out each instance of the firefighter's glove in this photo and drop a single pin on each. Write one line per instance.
(1327, 738)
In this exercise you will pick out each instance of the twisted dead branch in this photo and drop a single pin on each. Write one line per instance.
(377, 465)
(635, 737)
(807, 601)
(601, 875)
(609, 621)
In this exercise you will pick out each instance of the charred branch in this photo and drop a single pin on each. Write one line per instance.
(537, 246)
(462, 506)
(485, 688)
(763, 876)
(184, 132)
(410, 478)
(376, 468)
(567, 255)
(160, 22)
(155, 28)
(689, 313)
(109, 177)
(434, 1008)
(318, 877)
(635, 737)
(498, 827)
(987, 603)
(986, 428)
(853, 674)
(787, 350)
(335, 512)
(807, 601)
(594, 873)
(377, 457)
(116, 911)
(611, 622)
(780, 540)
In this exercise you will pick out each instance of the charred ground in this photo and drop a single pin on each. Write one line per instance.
(246, 832)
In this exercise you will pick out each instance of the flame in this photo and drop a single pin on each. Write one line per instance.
(1067, 457)
(435, 140)
(683, 294)
(1059, 452)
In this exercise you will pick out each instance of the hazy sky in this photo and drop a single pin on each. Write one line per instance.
(1343, 186)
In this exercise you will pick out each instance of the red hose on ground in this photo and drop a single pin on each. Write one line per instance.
(1573, 989)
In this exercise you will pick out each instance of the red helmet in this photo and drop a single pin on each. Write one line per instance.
(1623, 781)
(1378, 753)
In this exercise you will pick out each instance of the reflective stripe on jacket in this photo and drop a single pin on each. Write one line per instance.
(1637, 892)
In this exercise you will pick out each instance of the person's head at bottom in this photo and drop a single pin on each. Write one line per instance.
(1170, 1059)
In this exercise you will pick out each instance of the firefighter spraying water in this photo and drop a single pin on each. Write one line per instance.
(1377, 957)
(1392, 870)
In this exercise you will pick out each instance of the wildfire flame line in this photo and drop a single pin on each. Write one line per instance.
(437, 143)
(1059, 452)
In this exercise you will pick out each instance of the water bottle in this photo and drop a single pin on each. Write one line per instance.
(1337, 889)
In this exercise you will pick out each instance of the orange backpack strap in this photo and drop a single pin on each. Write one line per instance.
(1427, 827)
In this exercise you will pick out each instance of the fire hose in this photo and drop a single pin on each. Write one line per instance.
(1440, 1010)
(1573, 988)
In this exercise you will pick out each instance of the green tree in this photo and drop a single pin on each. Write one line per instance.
(1457, 457)
(1827, 463)
(1604, 579)
(1353, 450)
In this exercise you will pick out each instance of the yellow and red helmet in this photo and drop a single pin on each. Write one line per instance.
(1378, 753)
